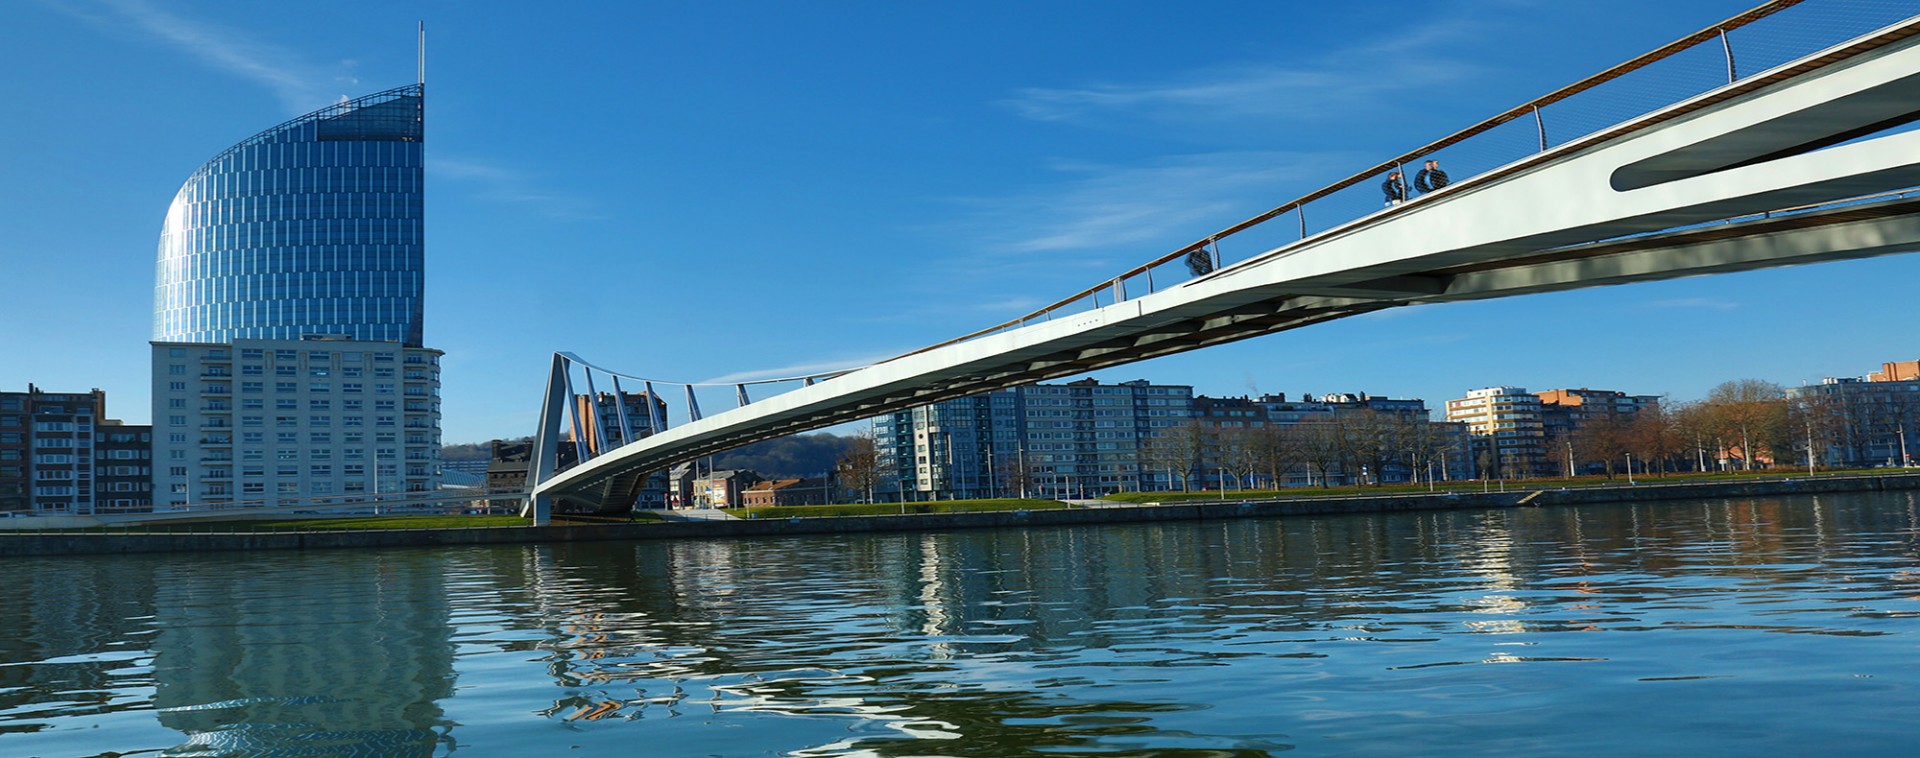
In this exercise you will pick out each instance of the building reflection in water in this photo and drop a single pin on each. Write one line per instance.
(978, 642)
(313, 653)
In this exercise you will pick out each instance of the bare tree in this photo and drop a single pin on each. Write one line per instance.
(1014, 473)
(1753, 412)
(859, 467)
(1422, 442)
(1240, 453)
(1651, 434)
(1176, 450)
(1319, 448)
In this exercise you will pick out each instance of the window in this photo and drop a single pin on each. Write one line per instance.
(286, 421)
(177, 369)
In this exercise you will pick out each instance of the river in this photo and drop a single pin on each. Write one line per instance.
(1778, 625)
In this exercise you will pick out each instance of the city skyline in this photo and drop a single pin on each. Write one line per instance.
(662, 200)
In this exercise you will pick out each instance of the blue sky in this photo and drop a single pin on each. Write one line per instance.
(719, 190)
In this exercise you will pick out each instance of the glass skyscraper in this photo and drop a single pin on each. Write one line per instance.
(313, 227)
(288, 367)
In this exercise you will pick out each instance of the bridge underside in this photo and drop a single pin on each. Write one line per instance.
(1586, 214)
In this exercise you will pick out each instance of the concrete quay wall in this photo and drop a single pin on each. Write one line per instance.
(71, 543)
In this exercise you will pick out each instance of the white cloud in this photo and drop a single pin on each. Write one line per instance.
(1169, 201)
(300, 85)
(1342, 85)
(1694, 302)
(799, 369)
(507, 186)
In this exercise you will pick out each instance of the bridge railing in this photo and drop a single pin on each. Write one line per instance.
(1725, 53)
(1600, 106)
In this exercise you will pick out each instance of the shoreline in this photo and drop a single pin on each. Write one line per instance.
(33, 544)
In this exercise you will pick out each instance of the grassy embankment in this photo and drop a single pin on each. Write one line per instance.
(1474, 485)
(895, 509)
(332, 523)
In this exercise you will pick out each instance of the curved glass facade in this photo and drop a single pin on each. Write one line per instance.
(313, 227)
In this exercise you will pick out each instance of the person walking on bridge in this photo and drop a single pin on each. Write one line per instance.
(1395, 188)
(1431, 178)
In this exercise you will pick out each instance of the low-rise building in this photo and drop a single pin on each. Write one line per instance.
(776, 492)
(59, 453)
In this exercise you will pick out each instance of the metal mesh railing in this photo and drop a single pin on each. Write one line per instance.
(1731, 52)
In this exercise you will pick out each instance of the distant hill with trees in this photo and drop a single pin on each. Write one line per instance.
(795, 456)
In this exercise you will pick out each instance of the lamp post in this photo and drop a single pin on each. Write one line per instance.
(1630, 468)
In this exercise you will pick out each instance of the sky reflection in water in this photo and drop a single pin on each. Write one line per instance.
(1714, 627)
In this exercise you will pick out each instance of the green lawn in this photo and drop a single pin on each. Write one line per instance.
(894, 509)
(311, 524)
(1474, 485)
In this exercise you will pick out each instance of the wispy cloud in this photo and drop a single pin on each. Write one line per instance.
(801, 369)
(1102, 207)
(1338, 86)
(300, 85)
(1703, 303)
(507, 186)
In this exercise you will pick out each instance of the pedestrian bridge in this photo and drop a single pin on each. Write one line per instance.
(1765, 158)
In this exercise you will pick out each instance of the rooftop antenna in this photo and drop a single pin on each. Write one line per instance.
(422, 70)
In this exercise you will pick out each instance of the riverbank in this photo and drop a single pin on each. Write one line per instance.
(98, 543)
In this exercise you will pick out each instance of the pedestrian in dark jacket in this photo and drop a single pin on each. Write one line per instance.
(1395, 188)
(1431, 178)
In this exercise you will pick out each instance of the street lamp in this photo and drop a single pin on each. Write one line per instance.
(1630, 468)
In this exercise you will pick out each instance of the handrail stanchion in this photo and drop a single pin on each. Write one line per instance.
(1540, 124)
(1732, 74)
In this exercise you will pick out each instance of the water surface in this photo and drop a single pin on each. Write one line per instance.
(1709, 627)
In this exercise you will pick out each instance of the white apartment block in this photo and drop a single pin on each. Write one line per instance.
(280, 422)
